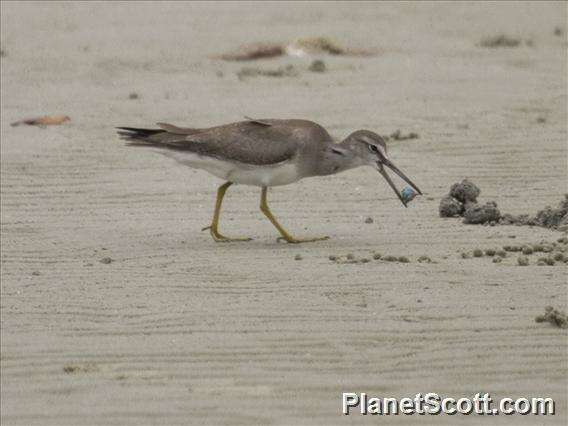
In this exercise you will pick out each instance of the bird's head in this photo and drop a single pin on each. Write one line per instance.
(368, 148)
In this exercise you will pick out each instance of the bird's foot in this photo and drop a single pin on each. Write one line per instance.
(292, 240)
(220, 238)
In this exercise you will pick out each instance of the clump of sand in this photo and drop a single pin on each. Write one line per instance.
(553, 316)
(80, 368)
(465, 191)
(317, 66)
(348, 259)
(548, 217)
(450, 207)
(487, 213)
(500, 40)
(462, 201)
(504, 40)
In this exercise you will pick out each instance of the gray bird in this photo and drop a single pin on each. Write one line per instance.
(265, 153)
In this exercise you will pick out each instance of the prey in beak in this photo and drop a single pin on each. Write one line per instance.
(381, 163)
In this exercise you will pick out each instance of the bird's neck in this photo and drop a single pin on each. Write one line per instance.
(331, 162)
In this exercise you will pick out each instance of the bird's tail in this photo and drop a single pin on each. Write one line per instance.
(140, 137)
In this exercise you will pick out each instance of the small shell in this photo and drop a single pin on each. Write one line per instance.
(408, 194)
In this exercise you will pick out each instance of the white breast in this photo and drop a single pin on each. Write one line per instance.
(277, 174)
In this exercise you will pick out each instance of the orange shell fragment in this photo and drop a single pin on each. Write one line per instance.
(46, 120)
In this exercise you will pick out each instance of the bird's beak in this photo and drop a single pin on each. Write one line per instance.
(383, 161)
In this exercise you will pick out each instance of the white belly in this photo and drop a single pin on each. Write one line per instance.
(246, 174)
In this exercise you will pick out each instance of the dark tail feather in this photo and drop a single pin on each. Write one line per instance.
(134, 133)
(138, 137)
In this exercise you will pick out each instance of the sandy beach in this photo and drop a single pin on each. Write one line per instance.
(116, 309)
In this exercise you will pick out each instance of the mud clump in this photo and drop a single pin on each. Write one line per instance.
(552, 218)
(559, 257)
(477, 214)
(462, 201)
(317, 66)
(554, 317)
(523, 261)
(500, 40)
(465, 191)
(527, 250)
(450, 207)
(547, 260)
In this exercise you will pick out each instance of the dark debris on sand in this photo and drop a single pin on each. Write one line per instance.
(255, 51)
(286, 71)
(317, 66)
(553, 316)
(399, 136)
(462, 201)
(299, 47)
(500, 40)
(548, 217)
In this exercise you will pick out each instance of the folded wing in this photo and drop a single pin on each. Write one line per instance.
(255, 142)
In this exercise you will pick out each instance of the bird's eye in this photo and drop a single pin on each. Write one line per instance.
(373, 148)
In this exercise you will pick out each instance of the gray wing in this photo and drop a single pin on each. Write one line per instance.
(257, 142)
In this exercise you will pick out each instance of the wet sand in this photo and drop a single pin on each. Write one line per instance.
(177, 329)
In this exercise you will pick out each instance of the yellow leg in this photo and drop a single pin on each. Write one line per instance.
(285, 235)
(214, 228)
